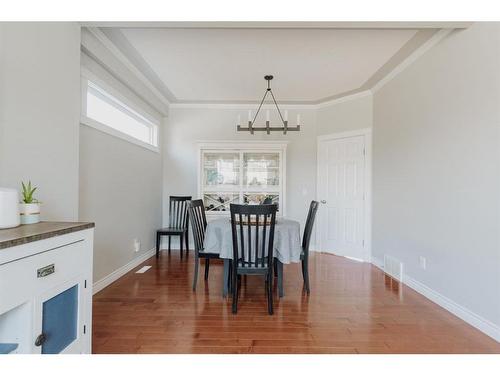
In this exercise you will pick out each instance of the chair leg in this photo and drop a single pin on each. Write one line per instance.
(158, 237)
(169, 244)
(187, 242)
(305, 265)
(270, 294)
(235, 293)
(181, 242)
(195, 278)
(226, 278)
(279, 267)
(207, 267)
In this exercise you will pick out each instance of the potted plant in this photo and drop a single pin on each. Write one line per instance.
(29, 208)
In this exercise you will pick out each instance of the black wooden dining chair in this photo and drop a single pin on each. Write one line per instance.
(177, 223)
(196, 211)
(306, 239)
(253, 239)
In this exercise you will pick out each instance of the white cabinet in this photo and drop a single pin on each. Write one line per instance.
(46, 295)
(242, 173)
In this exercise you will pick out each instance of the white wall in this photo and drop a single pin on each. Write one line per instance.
(40, 112)
(436, 170)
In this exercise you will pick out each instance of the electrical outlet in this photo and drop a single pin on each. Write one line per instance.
(137, 245)
(423, 262)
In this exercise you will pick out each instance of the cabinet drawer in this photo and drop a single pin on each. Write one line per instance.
(23, 278)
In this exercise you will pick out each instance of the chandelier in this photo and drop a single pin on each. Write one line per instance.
(268, 128)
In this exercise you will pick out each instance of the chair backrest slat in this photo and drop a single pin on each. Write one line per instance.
(256, 250)
(249, 237)
(257, 241)
(264, 229)
(178, 211)
(196, 214)
(311, 216)
(241, 238)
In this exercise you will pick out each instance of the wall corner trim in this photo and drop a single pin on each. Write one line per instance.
(470, 317)
(115, 275)
(435, 39)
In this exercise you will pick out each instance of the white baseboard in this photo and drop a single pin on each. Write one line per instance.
(313, 247)
(115, 275)
(378, 263)
(456, 309)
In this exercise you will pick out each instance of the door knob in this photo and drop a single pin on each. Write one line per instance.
(323, 201)
(40, 339)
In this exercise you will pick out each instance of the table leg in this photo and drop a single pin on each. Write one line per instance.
(279, 267)
(225, 281)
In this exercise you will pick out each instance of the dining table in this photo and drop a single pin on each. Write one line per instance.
(286, 247)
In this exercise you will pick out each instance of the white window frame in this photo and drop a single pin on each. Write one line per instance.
(243, 147)
(149, 121)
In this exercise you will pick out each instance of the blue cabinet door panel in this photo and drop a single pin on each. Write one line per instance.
(60, 321)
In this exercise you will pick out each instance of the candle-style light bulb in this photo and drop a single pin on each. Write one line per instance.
(286, 115)
(239, 119)
(249, 116)
(267, 115)
(298, 119)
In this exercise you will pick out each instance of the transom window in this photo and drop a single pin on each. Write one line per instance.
(106, 112)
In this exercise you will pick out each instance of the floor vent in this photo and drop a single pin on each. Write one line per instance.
(393, 267)
(143, 269)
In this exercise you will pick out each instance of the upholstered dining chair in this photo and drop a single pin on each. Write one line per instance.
(306, 239)
(177, 223)
(252, 229)
(196, 211)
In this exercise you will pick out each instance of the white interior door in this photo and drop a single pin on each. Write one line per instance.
(341, 189)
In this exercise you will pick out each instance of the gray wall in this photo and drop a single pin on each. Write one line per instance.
(40, 112)
(188, 125)
(121, 191)
(345, 116)
(436, 169)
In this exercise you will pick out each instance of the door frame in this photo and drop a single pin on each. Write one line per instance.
(367, 134)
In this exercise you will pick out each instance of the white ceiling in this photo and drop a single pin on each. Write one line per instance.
(228, 64)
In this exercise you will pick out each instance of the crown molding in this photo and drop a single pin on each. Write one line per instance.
(248, 106)
(435, 39)
(238, 106)
(281, 25)
(344, 99)
(110, 46)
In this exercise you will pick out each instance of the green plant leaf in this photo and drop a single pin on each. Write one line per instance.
(28, 192)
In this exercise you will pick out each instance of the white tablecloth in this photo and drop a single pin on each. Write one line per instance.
(287, 245)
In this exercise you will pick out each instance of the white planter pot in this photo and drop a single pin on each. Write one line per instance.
(30, 213)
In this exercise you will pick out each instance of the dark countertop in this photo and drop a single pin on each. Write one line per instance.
(35, 232)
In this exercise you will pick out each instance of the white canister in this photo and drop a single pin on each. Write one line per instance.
(9, 208)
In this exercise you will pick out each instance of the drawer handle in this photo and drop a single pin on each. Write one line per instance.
(46, 271)
(40, 339)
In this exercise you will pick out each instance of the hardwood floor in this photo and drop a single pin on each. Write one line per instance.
(353, 308)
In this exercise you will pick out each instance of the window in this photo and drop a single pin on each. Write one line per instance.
(105, 112)
(248, 174)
